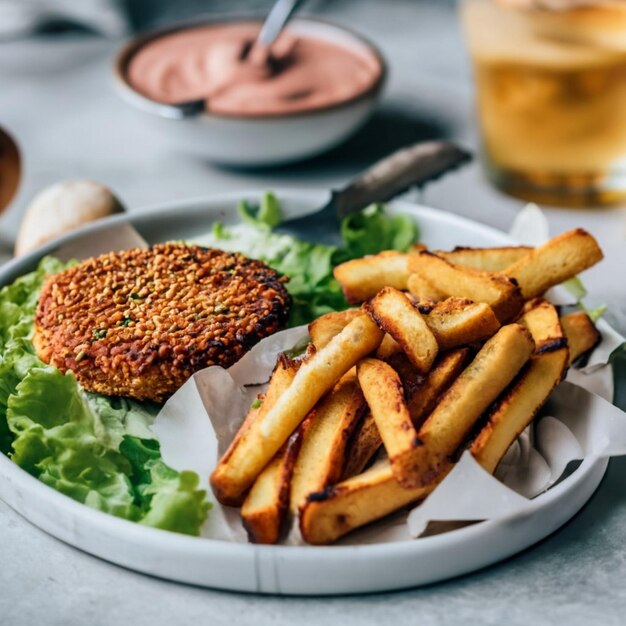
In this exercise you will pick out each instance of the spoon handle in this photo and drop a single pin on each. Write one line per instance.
(276, 20)
(413, 166)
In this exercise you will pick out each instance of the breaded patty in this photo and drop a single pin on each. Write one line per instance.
(139, 323)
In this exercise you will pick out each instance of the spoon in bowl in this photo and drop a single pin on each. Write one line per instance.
(257, 54)
(273, 26)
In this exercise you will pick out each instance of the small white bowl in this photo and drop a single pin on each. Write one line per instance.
(256, 141)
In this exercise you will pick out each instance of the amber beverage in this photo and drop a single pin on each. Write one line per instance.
(551, 98)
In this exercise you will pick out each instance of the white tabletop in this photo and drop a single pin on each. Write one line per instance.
(57, 100)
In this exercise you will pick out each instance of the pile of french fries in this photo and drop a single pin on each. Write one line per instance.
(448, 351)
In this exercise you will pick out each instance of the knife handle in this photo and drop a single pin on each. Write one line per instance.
(413, 166)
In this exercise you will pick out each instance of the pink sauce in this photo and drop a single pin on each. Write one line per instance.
(304, 73)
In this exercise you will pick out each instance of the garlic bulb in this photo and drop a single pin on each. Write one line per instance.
(61, 208)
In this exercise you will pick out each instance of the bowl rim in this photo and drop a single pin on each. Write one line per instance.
(169, 111)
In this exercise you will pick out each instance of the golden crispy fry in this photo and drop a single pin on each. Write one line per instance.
(395, 314)
(410, 377)
(458, 322)
(519, 405)
(488, 259)
(388, 347)
(542, 321)
(265, 508)
(423, 289)
(581, 333)
(424, 396)
(556, 261)
(366, 497)
(363, 278)
(454, 322)
(384, 393)
(366, 441)
(325, 327)
(496, 290)
(320, 461)
(328, 515)
(255, 446)
(283, 375)
(445, 429)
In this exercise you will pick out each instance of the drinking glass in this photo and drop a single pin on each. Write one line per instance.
(551, 97)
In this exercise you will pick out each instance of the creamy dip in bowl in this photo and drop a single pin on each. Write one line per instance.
(213, 94)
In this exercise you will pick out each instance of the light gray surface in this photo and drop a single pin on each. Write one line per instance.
(57, 100)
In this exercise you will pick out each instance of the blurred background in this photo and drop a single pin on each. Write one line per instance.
(57, 100)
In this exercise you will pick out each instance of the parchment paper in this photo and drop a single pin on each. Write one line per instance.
(199, 421)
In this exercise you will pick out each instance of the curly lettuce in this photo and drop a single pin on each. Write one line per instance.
(94, 449)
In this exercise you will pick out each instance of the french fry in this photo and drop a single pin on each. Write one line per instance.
(255, 446)
(282, 376)
(445, 429)
(320, 461)
(325, 327)
(458, 322)
(556, 261)
(422, 289)
(518, 406)
(454, 322)
(494, 289)
(488, 259)
(384, 393)
(357, 501)
(363, 498)
(395, 373)
(410, 377)
(582, 335)
(424, 396)
(369, 496)
(395, 314)
(365, 443)
(388, 347)
(264, 511)
(542, 321)
(363, 278)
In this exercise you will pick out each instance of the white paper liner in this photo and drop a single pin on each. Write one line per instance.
(112, 238)
(199, 421)
(530, 226)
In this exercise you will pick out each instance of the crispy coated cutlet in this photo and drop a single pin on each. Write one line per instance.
(139, 323)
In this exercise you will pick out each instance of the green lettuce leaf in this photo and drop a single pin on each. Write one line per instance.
(267, 215)
(167, 499)
(84, 445)
(372, 230)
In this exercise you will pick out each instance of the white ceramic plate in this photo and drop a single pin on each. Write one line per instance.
(303, 570)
